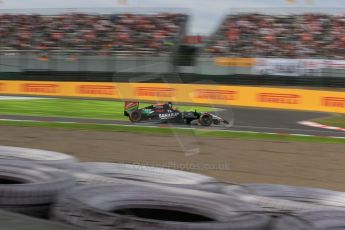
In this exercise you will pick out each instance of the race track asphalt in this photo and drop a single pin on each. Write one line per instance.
(277, 121)
(242, 119)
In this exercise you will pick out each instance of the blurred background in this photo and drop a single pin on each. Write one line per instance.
(283, 38)
(274, 70)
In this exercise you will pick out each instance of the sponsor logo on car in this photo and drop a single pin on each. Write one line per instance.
(226, 95)
(155, 92)
(280, 98)
(97, 89)
(39, 88)
(333, 102)
(168, 115)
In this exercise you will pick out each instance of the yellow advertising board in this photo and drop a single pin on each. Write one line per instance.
(235, 62)
(265, 97)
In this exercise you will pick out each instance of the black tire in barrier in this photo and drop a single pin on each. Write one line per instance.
(288, 198)
(142, 173)
(93, 179)
(100, 173)
(25, 186)
(155, 207)
(326, 219)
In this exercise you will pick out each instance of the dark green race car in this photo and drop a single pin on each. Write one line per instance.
(166, 113)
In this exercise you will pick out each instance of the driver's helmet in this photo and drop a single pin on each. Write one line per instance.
(170, 104)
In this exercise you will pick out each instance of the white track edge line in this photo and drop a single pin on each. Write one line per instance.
(151, 126)
(321, 126)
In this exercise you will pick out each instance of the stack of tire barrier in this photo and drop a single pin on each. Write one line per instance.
(297, 208)
(106, 196)
(29, 181)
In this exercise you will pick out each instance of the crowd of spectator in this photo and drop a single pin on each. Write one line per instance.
(291, 36)
(120, 32)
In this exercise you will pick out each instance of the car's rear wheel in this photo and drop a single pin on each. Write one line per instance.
(206, 120)
(135, 116)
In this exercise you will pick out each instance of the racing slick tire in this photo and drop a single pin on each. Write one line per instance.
(37, 156)
(25, 186)
(206, 120)
(135, 116)
(152, 208)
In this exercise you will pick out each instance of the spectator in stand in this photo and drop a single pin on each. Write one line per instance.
(290, 36)
(123, 32)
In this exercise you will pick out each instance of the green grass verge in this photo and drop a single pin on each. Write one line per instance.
(112, 110)
(338, 121)
(174, 131)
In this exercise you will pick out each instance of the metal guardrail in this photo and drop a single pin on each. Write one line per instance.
(141, 51)
(138, 62)
(238, 79)
(85, 60)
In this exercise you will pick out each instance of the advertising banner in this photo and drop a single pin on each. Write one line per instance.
(335, 64)
(225, 95)
(289, 67)
(235, 62)
(282, 66)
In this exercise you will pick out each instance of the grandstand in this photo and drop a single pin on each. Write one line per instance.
(86, 32)
(122, 44)
(309, 35)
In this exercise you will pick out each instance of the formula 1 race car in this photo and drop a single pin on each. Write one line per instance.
(166, 113)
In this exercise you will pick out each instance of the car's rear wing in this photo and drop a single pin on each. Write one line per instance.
(130, 106)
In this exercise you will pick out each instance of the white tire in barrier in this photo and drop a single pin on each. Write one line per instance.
(37, 156)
